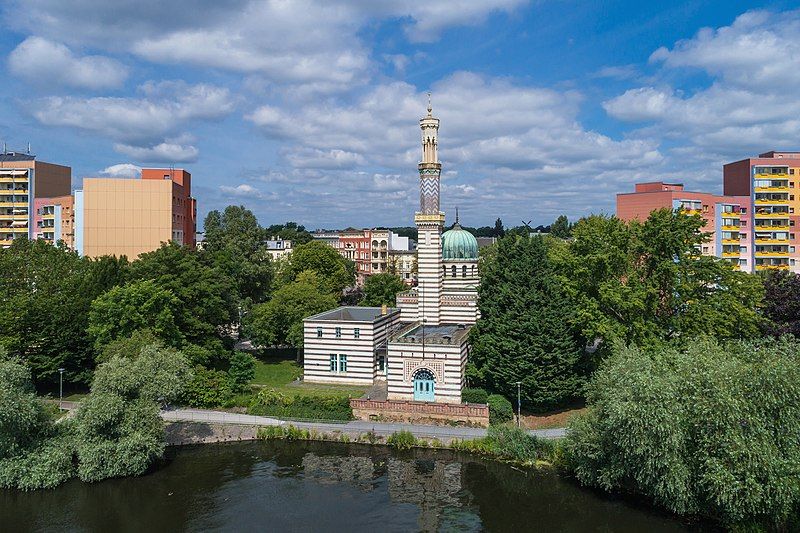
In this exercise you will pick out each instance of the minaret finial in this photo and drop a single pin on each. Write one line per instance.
(430, 108)
(456, 215)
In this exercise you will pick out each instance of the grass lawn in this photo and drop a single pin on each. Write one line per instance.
(281, 375)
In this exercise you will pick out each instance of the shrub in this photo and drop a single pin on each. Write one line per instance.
(269, 402)
(242, 370)
(500, 409)
(402, 440)
(474, 396)
(518, 445)
(706, 429)
(208, 388)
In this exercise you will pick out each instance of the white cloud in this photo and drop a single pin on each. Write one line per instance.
(122, 170)
(166, 152)
(127, 118)
(242, 190)
(44, 62)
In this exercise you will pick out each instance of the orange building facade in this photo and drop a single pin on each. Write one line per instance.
(133, 216)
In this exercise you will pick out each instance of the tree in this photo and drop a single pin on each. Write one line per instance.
(236, 245)
(334, 271)
(280, 321)
(242, 370)
(380, 289)
(641, 282)
(782, 303)
(499, 231)
(206, 294)
(137, 305)
(561, 228)
(45, 295)
(291, 231)
(527, 329)
(708, 428)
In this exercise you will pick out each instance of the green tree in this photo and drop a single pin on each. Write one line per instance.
(137, 305)
(782, 303)
(242, 370)
(290, 231)
(236, 245)
(45, 295)
(280, 320)
(382, 289)
(334, 271)
(709, 428)
(206, 294)
(499, 230)
(561, 228)
(526, 331)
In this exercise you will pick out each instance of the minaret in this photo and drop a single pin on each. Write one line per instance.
(429, 221)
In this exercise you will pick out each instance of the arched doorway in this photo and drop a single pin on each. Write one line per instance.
(424, 385)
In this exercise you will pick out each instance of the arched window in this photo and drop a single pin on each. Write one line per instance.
(464, 271)
(453, 270)
(473, 271)
(444, 271)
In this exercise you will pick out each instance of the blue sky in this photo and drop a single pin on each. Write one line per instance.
(307, 110)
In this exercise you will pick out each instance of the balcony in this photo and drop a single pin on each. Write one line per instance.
(782, 214)
(730, 241)
(763, 176)
(782, 188)
(772, 201)
(690, 212)
(762, 229)
(730, 228)
(784, 266)
(772, 241)
(730, 254)
(773, 254)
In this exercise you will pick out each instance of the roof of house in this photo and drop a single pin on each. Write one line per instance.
(16, 156)
(354, 314)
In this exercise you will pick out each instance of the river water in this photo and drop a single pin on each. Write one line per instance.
(313, 486)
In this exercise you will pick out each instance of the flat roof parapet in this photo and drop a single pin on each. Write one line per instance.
(354, 314)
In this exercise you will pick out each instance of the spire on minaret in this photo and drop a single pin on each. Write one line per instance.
(430, 108)
(456, 224)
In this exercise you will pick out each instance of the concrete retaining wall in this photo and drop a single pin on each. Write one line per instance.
(468, 414)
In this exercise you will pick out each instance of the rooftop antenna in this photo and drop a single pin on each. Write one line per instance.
(29, 148)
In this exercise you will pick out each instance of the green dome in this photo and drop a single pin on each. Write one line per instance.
(458, 243)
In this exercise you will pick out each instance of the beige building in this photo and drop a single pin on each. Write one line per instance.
(404, 264)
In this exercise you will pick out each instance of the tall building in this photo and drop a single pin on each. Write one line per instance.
(54, 220)
(133, 216)
(23, 180)
(369, 249)
(770, 184)
(419, 351)
(724, 216)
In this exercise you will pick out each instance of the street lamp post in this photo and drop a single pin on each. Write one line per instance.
(60, 388)
(519, 404)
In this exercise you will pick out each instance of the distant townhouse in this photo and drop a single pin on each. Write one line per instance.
(278, 249)
(369, 249)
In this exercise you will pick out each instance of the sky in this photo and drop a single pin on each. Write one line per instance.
(307, 110)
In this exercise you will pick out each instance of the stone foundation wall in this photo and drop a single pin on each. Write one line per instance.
(468, 414)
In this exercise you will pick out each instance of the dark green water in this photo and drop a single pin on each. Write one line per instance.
(311, 486)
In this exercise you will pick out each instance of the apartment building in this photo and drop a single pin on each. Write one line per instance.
(278, 248)
(133, 216)
(770, 183)
(23, 181)
(369, 249)
(727, 217)
(54, 220)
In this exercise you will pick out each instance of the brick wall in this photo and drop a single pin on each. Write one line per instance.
(468, 414)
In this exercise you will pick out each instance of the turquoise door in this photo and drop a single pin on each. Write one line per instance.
(423, 386)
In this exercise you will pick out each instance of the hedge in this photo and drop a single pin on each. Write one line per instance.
(270, 402)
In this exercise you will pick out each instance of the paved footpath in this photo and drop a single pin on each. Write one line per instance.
(353, 427)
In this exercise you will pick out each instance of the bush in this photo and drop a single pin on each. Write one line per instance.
(242, 370)
(474, 396)
(518, 445)
(500, 409)
(208, 388)
(402, 440)
(708, 429)
(269, 402)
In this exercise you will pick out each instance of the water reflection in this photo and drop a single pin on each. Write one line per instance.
(291, 486)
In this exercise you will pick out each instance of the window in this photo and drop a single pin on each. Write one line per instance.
(356, 333)
(333, 362)
(453, 270)
(743, 249)
(743, 262)
(342, 363)
(464, 271)
(338, 332)
(744, 210)
(319, 333)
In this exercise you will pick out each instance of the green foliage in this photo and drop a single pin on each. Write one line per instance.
(641, 282)
(206, 294)
(782, 303)
(474, 395)
(138, 305)
(290, 231)
(380, 289)
(270, 402)
(527, 330)
(402, 440)
(561, 228)
(280, 321)
(334, 271)
(129, 346)
(242, 370)
(208, 388)
(709, 428)
(235, 243)
(500, 409)
(45, 294)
